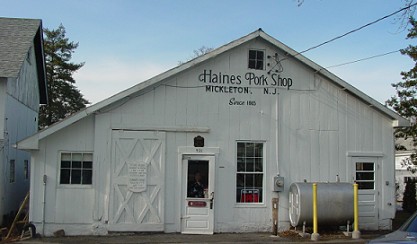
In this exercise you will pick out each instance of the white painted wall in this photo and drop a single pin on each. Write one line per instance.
(308, 132)
(71, 205)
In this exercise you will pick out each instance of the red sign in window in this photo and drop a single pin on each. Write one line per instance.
(249, 195)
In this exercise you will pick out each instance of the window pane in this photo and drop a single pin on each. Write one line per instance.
(240, 149)
(252, 64)
(365, 185)
(365, 166)
(249, 180)
(87, 177)
(241, 165)
(77, 157)
(66, 157)
(258, 165)
(88, 157)
(258, 180)
(76, 164)
(258, 147)
(65, 176)
(250, 150)
(252, 54)
(66, 164)
(364, 176)
(76, 176)
(260, 55)
(87, 165)
(240, 180)
(259, 64)
(250, 165)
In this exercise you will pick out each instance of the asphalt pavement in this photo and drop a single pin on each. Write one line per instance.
(216, 238)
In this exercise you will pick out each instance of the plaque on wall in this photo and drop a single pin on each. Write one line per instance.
(137, 174)
(198, 141)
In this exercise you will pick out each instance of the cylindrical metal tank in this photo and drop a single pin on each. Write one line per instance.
(334, 204)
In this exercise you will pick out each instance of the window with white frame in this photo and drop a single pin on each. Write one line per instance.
(12, 171)
(26, 169)
(76, 168)
(256, 59)
(250, 172)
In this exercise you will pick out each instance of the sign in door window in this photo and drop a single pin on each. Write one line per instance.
(365, 175)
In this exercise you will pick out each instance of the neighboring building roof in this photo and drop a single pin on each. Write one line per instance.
(32, 142)
(408, 144)
(16, 38)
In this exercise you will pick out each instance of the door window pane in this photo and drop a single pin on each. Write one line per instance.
(197, 179)
(365, 175)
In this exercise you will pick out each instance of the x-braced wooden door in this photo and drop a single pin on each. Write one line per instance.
(137, 175)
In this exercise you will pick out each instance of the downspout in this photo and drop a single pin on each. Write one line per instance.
(43, 204)
(277, 132)
(44, 179)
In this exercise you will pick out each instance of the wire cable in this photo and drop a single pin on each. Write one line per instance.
(357, 29)
(347, 33)
(362, 59)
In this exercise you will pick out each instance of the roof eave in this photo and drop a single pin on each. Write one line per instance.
(40, 64)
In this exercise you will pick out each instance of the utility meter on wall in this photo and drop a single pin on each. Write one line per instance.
(278, 183)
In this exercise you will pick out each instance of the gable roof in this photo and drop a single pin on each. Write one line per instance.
(32, 142)
(16, 38)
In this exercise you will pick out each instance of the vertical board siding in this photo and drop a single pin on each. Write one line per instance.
(307, 130)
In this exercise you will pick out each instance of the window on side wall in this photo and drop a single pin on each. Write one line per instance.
(26, 169)
(250, 172)
(76, 168)
(12, 171)
(256, 59)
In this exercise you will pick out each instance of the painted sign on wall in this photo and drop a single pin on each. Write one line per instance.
(137, 172)
(218, 82)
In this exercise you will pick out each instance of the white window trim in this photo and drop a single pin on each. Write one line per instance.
(73, 186)
(264, 60)
(245, 204)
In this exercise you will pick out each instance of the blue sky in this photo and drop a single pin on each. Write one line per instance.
(126, 42)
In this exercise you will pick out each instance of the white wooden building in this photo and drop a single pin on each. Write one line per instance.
(236, 117)
(22, 89)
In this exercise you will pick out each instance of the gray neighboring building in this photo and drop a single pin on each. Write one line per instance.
(22, 89)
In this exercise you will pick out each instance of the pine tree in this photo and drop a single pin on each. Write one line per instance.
(64, 98)
(405, 101)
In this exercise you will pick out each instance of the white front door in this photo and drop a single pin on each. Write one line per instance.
(197, 194)
(137, 174)
(366, 176)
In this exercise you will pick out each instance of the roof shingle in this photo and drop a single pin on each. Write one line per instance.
(16, 38)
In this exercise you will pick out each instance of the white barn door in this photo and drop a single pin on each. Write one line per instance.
(137, 172)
